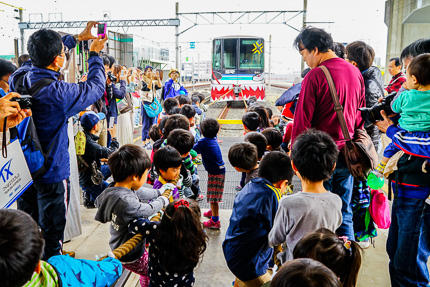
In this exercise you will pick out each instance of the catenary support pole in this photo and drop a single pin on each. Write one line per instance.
(305, 8)
(177, 37)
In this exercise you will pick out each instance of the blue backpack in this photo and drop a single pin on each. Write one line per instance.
(26, 133)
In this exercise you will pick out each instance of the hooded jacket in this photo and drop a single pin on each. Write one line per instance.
(120, 206)
(246, 247)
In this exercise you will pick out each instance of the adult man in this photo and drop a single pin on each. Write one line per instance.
(47, 199)
(315, 107)
(92, 126)
(398, 78)
(172, 87)
(408, 242)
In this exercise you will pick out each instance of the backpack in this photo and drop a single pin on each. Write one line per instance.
(26, 133)
(379, 209)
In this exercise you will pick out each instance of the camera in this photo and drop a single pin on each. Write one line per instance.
(373, 114)
(24, 101)
(111, 77)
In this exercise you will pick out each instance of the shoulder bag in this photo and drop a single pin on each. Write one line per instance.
(359, 152)
(154, 108)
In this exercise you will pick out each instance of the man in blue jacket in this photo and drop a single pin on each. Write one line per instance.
(172, 87)
(47, 199)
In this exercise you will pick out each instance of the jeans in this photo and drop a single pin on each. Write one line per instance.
(147, 122)
(342, 183)
(47, 204)
(92, 191)
(408, 243)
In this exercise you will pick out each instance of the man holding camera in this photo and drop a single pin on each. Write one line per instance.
(55, 102)
(315, 108)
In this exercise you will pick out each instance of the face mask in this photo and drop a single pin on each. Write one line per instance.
(64, 65)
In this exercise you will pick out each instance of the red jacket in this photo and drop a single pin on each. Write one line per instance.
(315, 108)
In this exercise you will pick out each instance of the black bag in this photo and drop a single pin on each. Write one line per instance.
(96, 175)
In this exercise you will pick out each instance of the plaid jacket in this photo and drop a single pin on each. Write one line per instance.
(396, 83)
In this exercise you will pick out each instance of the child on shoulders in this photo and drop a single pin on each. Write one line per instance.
(413, 105)
(245, 247)
(313, 158)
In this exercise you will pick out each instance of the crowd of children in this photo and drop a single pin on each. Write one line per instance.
(265, 228)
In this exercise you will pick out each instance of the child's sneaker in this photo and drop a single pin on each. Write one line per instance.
(211, 224)
(200, 197)
(208, 214)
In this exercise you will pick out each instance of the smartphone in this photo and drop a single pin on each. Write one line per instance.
(111, 122)
(101, 30)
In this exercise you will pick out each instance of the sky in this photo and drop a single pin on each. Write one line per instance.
(353, 20)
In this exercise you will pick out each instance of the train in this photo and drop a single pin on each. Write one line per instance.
(237, 68)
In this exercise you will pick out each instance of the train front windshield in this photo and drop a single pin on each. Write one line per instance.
(232, 56)
(251, 54)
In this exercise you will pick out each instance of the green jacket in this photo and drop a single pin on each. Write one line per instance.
(414, 109)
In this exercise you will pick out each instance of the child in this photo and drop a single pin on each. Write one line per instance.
(259, 141)
(171, 123)
(274, 139)
(412, 105)
(183, 142)
(22, 244)
(175, 244)
(212, 160)
(167, 163)
(313, 157)
(169, 104)
(183, 100)
(342, 256)
(245, 246)
(154, 133)
(251, 122)
(122, 202)
(244, 158)
(189, 112)
(305, 272)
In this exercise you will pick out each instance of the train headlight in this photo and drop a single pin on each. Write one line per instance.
(258, 77)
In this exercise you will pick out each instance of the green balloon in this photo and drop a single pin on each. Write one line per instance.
(374, 181)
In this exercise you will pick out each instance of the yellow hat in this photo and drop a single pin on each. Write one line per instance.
(174, 71)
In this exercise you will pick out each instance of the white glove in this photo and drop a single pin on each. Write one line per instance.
(167, 186)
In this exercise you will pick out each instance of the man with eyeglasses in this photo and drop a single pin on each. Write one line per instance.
(52, 106)
(315, 108)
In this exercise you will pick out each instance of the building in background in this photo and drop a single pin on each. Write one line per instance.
(407, 21)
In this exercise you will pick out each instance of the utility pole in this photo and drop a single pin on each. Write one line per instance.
(177, 37)
(270, 63)
(21, 31)
(21, 19)
(305, 9)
